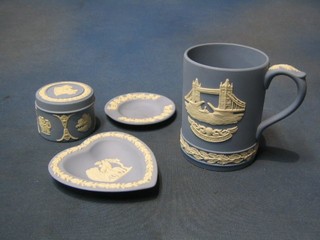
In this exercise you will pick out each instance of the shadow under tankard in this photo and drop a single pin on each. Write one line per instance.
(275, 154)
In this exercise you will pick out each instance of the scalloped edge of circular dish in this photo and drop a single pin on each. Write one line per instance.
(112, 108)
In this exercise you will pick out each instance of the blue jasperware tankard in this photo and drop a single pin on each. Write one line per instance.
(224, 89)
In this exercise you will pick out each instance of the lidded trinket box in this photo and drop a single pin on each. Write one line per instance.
(65, 111)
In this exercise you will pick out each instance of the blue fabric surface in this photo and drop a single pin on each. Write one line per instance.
(127, 46)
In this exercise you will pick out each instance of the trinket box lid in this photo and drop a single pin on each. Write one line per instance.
(64, 96)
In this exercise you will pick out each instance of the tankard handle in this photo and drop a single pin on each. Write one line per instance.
(299, 78)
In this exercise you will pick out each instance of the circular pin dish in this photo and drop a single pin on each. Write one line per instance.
(65, 111)
(140, 108)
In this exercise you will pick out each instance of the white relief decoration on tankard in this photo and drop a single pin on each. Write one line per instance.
(284, 66)
(44, 125)
(107, 170)
(230, 110)
(64, 90)
(84, 123)
(211, 134)
(66, 134)
(218, 158)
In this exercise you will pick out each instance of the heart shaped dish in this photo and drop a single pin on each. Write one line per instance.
(106, 162)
